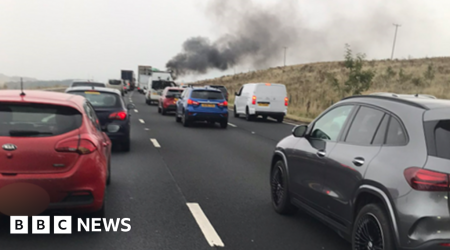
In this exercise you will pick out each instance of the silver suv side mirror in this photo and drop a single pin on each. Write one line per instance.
(300, 130)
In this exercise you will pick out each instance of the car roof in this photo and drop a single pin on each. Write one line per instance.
(44, 97)
(419, 102)
(100, 89)
(264, 83)
(88, 82)
(176, 88)
(206, 88)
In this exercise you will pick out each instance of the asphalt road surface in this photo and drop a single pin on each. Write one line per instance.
(223, 174)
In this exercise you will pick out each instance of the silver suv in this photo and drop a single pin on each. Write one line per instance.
(374, 168)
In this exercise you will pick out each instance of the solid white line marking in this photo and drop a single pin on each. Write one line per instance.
(208, 230)
(155, 143)
(290, 123)
(136, 111)
(232, 125)
(141, 121)
(146, 129)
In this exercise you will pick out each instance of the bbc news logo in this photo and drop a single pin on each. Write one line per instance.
(63, 225)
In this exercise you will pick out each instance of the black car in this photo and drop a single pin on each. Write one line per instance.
(223, 89)
(112, 112)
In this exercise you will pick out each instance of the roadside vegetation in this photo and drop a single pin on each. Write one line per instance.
(315, 86)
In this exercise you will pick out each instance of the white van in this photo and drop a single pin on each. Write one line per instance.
(264, 99)
(156, 84)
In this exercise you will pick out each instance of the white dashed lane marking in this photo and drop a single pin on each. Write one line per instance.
(232, 125)
(208, 230)
(141, 121)
(155, 143)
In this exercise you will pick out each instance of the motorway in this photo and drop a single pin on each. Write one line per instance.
(224, 171)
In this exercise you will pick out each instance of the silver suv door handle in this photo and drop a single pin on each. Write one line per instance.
(358, 161)
(321, 153)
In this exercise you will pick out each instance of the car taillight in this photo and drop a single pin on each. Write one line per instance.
(191, 102)
(124, 87)
(286, 101)
(223, 104)
(82, 146)
(122, 115)
(426, 180)
(254, 99)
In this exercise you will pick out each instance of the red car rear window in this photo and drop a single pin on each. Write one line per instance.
(37, 120)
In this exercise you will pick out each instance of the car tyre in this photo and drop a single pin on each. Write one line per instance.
(126, 145)
(224, 124)
(372, 221)
(159, 110)
(280, 119)
(264, 117)
(248, 117)
(235, 112)
(185, 121)
(279, 189)
(147, 102)
(163, 111)
(177, 118)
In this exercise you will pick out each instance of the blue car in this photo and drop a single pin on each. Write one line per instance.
(202, 104)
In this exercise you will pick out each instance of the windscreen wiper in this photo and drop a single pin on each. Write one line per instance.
(27, 133)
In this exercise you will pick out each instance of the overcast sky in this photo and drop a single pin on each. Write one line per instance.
(66, 39)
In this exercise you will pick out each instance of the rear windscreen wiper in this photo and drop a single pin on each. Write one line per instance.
(27, 133)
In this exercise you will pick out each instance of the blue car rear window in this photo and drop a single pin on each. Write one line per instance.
(207, 94)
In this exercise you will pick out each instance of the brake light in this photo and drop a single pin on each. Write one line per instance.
(254, 99)
(124, 87)
(191, 102)
(223, 104)
(286, 101)
(82, 147)
(122, 115)
(445, 244)
(426, 180)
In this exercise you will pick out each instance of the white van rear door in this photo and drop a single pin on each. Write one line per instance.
(270, 97)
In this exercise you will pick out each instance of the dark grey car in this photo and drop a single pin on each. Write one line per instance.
(373, 168)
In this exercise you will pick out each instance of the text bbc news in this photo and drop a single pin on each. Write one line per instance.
(63, 225)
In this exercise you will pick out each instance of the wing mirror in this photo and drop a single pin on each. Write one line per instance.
(236, 93)
(131, 106)
(299, 131)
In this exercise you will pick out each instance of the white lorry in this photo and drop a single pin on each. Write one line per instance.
(157, 83)
(144, 75)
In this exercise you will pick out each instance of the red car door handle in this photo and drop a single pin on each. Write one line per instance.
(105, 143)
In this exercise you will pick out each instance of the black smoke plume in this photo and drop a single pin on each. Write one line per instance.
(254, 35)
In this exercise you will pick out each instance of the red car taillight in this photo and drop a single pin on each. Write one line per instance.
(286, 101)
(426, 180)
(191, 102)
(82, 146)
(254, 99)
(122, 115)
(124, 87)
(223, 104)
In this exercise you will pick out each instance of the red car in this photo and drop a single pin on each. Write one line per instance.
(53, 155)
(168, 100)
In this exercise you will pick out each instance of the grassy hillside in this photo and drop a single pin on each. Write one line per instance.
(310, 90)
